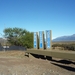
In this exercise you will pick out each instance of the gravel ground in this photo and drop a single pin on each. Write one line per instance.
(15, 63)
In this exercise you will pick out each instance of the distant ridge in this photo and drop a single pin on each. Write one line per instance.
(65, 38)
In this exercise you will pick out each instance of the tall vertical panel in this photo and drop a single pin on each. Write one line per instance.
(48, 39)
(35, 40)
(41, 40)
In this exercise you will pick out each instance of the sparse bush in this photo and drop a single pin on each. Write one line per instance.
(65, 46)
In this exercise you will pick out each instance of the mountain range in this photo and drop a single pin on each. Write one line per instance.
(65, 38)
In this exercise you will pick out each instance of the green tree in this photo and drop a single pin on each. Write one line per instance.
(0, 44)
(19, 37)
(27, 40)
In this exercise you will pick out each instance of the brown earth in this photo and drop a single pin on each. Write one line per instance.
(16, 63)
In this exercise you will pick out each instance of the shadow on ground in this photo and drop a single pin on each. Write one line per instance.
(38, 56)
(53, 60)
(65, 67)
(63, 61)
(56, 62)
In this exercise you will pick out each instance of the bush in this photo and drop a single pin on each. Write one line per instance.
(65, 46)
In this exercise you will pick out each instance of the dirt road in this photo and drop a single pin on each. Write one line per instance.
(16, 63)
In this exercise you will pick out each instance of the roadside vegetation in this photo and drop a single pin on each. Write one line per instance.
(19, 37)
(64, 46)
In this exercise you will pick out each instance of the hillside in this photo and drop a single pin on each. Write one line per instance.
(65, 38)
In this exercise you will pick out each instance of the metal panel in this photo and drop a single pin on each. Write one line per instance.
(35, 40)
(48, 39)
(41, 40)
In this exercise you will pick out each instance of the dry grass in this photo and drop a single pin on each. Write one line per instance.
(64, 42)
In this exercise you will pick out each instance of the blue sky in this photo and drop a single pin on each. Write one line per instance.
(39, 15)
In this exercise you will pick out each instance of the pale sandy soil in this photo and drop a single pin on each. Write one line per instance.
(16, 63)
